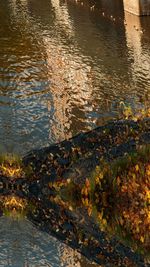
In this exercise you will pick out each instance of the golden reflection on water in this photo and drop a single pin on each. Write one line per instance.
(67, 74)
(66, 68)
(62, 17)
(135, 31)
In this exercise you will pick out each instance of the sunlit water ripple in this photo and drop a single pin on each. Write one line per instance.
(23, 245)
(64, 68)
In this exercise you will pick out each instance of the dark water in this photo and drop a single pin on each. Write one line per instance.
(64, 68)
(22, 245)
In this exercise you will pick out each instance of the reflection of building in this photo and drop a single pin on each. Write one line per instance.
(16, 10)
(62, 17)
(71, 86)
(61, 40)
(140, 54)
(137, 7)
(47, 72)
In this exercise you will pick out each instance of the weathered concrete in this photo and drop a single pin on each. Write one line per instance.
(137, 7)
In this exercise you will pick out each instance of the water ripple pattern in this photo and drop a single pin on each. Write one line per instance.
(23, 245)
(65, 68)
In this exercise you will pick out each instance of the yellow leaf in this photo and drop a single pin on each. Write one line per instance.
(137, 167)
(86, 202)
(142, 239)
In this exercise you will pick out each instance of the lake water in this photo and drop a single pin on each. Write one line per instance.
(64, 68)
(22, 245)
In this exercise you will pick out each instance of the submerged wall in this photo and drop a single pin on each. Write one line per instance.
(137, 7)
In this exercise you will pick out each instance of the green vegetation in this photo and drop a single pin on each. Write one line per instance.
(12, 167)
(127, 112)
(117, 194)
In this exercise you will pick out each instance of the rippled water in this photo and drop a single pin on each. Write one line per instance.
(22, 245)
(65, 68)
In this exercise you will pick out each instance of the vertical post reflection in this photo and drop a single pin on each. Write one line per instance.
(71, 84)
(139, 53)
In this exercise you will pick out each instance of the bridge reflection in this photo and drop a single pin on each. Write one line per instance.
(137, 7)
(136, 31)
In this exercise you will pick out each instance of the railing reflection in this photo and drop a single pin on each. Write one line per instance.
(136, 31)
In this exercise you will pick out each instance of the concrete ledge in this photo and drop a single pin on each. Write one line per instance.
(137, 7)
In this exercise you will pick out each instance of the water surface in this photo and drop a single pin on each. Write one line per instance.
(65, 67)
